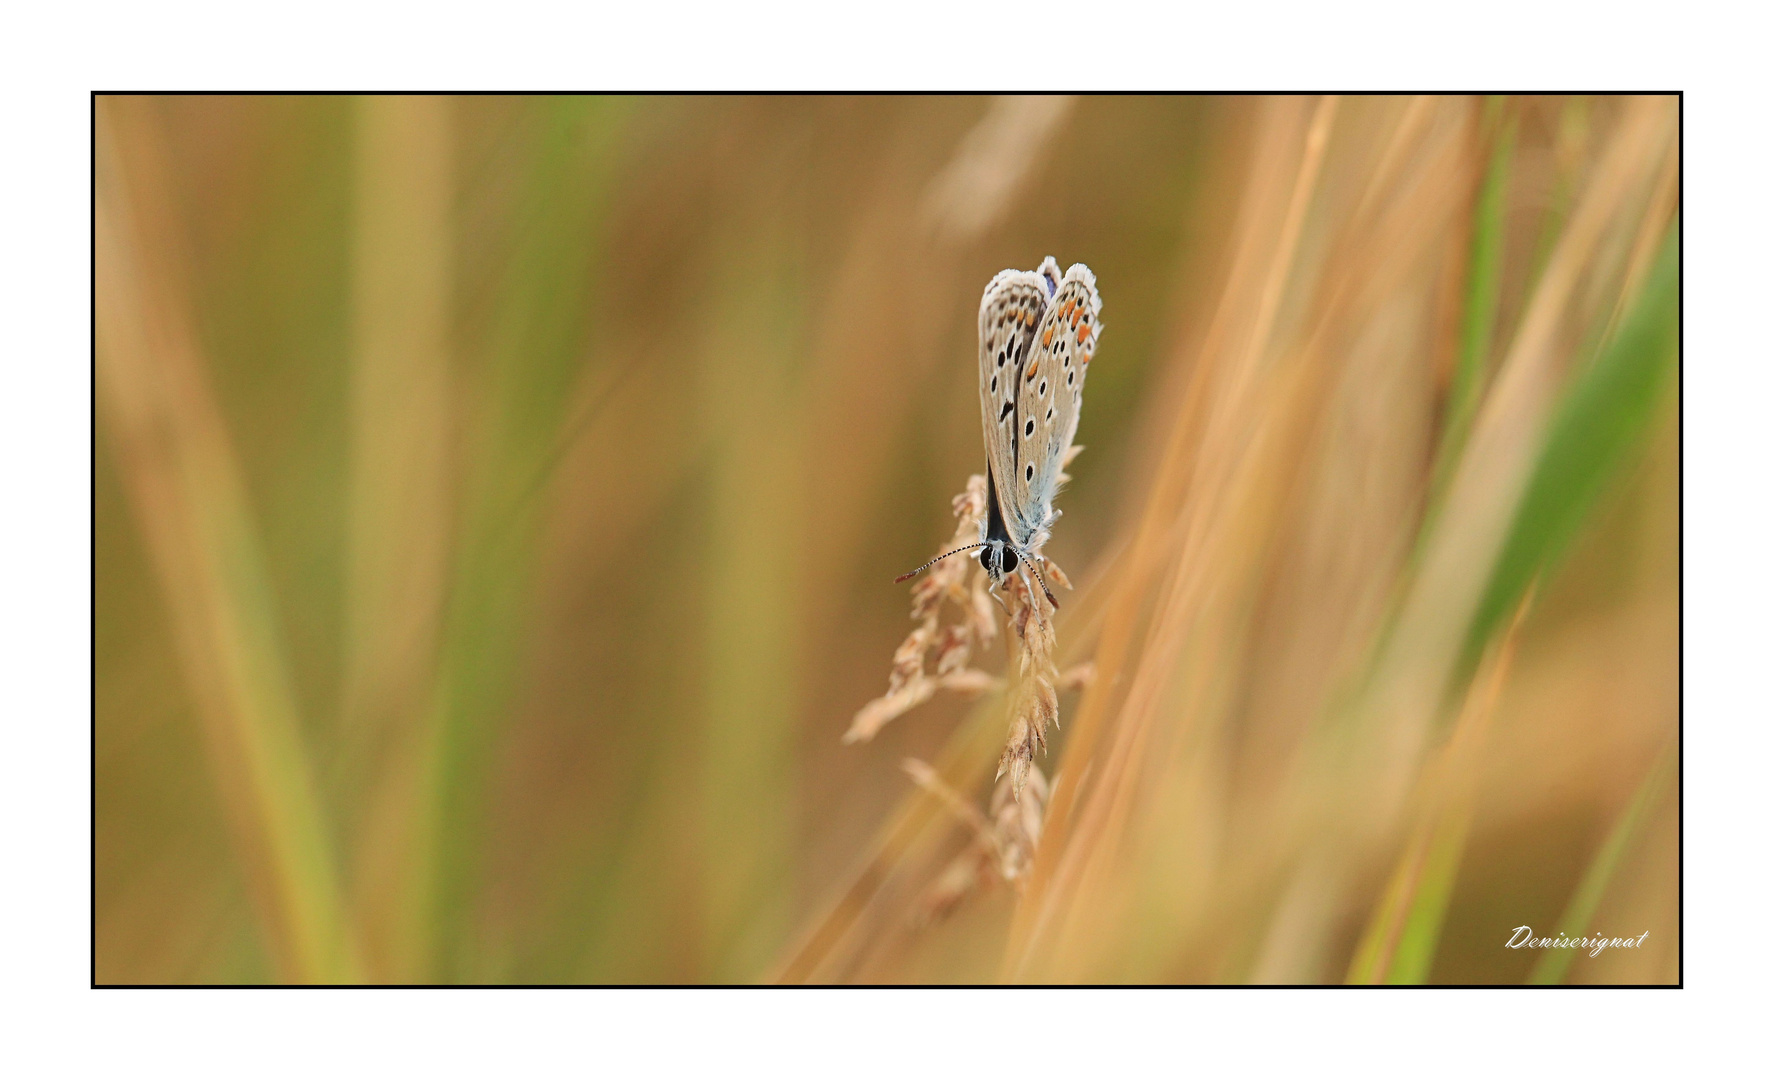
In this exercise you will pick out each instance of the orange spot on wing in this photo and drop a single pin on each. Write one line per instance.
(1047, 338)
(1083, 332)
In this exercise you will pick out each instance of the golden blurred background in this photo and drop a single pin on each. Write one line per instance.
(498, 499)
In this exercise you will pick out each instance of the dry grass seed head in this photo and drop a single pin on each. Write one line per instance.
(1003, 845)
(1035, 704)
(962, 584)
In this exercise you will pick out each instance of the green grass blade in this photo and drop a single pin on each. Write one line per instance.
(1415, 954)
(1372, 961)
(1553, 963)
(1484, 286)
(1400, 943)
(1603, 417)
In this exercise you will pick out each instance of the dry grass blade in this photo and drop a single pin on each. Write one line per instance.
(190, 500)
(400, 512)
(976, 188)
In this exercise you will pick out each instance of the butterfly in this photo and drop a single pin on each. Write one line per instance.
(1037, 333)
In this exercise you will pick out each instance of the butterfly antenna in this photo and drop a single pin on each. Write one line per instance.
(933, 562)
(1043, 581)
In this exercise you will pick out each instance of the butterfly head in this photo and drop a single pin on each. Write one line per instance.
(998, 559)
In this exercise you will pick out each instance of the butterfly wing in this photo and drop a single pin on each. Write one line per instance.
(1049, 393)
(1009, 313)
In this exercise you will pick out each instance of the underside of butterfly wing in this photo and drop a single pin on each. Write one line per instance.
(1009, 313)
(1050, 393)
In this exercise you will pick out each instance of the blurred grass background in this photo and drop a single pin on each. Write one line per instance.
(497, 500)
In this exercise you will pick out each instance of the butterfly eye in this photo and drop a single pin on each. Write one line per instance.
(1009, 560)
